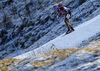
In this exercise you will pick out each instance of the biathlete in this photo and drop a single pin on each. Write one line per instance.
(64, 11)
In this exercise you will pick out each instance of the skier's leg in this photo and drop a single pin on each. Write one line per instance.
(70, 27)
(67, 25)
(67, 16)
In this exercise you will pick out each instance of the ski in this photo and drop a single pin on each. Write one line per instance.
(67, 33)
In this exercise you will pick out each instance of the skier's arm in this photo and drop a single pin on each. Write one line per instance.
(56, 11)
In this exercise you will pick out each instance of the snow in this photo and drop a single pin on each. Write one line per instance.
(82, 33)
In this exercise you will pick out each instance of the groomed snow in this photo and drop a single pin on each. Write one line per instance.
(82, 32)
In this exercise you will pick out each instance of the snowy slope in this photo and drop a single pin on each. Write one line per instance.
(82, 33)
(37, 25)
(86, 58)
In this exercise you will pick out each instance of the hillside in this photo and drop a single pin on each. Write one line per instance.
(62, 56)
(32, 22)
(82, 35)
(86, 58)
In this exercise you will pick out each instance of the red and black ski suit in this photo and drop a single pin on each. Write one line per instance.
(65, 11)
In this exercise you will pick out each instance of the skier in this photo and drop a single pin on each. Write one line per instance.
(64, 11)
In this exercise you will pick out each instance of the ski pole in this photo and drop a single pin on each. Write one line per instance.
(79, 11)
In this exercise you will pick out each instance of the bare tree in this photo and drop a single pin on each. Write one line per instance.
(3, 12)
